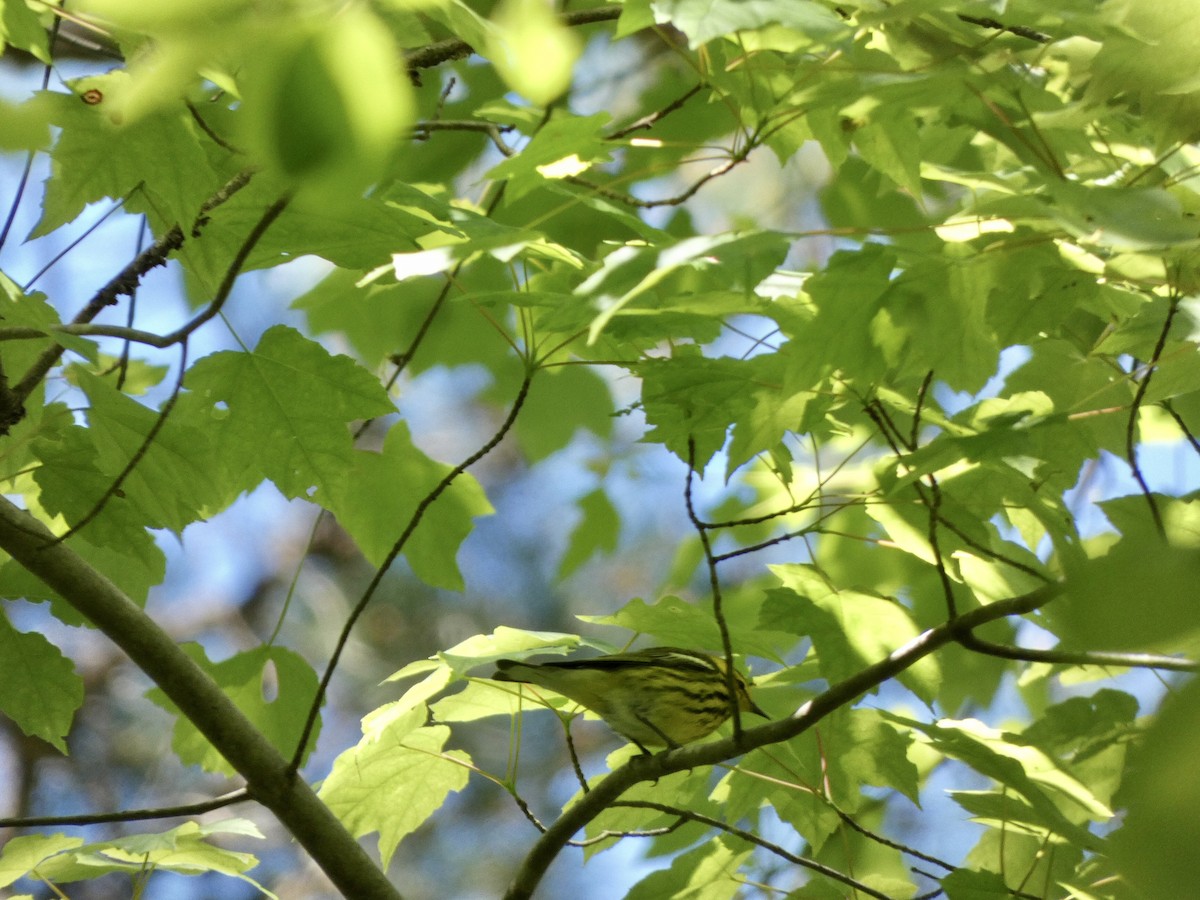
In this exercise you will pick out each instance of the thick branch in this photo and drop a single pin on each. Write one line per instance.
(652, 768)
(199, 698)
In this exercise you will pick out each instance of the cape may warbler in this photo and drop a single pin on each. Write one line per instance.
(661, 697)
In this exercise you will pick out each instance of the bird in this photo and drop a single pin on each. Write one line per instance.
(658, 697)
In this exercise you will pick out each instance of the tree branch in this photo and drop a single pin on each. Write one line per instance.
(130, 815)
(1030, 34)
(138, 455)
(199, 698)
(652, 768)
(415, 520)
(649, 121)
(1131, 423)
(124, 283)
(136, 335)
(456, 48)
(1054, 656)
(752, 838)
(714, 583)
(735, 159)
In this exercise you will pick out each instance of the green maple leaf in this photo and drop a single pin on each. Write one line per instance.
(286, 408)
(396, 778)
(382, 493)
(39, 689)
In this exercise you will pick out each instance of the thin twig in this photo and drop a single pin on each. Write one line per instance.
(402, 359)
(574, 754)
(1023, 31)
(812, 528)
(891, 435)
(129, 815)
(124, 283)
(227, 190)
(935, 545)
(182, 333)
(1187, 432)
(650, 120)
(264, 222)
(223, 292)
(1080, 657)
(1131, 424)
(115, 487)
(915, 434)
(126, 280)
(751, 837)
(526, 811)
(208, 129)
(1050, 161)
(932, 503)
(637, 203)
(23, 181)
(607, 835)
(87, 232)
(999, 557)
(455, 48)
(494, 132)
(127, 347)
(714, 582)
(426, 502)
(888, 842)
